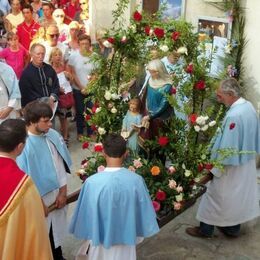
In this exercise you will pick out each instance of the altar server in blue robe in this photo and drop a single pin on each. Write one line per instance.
(46, 159)
(114, 210)
(232, 196)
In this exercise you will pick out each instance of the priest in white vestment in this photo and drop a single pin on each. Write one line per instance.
(232, 196)
(114, 210)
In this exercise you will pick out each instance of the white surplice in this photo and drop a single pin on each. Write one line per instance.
(228, 201)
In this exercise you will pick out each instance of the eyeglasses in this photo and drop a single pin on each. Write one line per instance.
(83, 3)
(54, 35)
(59, 15)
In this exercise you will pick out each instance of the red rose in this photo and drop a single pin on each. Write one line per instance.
(137, 16)
(173, 91)
(160, 195)
(208, 166)
(111, 40)
(189, 68)
(98, 148)
(176, 35)
(232, 125)
(93, 127)
(147, 30)
(85, 145)
(163, 140)
(156, 205)
(159, 32)
(87, 117)
(200, 167)
(83, 162)
(200, 85)
(193, 118)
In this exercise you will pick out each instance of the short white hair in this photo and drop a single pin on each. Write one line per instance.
(231, 85)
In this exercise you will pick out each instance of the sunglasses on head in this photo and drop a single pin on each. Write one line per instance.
(54, 35)
(82, 3)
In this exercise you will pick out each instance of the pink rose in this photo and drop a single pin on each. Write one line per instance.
(172, 184)
(137, 164)
(179, 189)
(131, 168)
(177, 205)
(171, 170)
(156, 205)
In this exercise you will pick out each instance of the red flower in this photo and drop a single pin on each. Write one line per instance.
(147, 30)
(173, 91)
(111, 40)
(200, 85)
(83, 162)
(137, 16)
(176, 35)
(232, 125)
(94, 108)
(189, 68)
(159, 32)
(85, 145)
(156, 205)
(200, 167)
(163, 140)
(193, 118)
(160, 195)
(98, 148)
(93, 128)
(87, 117)
(208, 166)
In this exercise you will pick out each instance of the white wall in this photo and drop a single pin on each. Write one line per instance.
(252, 52)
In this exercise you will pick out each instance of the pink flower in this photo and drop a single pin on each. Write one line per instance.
(85, 145)
(177, 205)
(101, 168)
(131, 168)
(160, 195)
(176, 35)
(200, 85)
(137, 164)
(179, 189)
(156, 205)
(172, 184)
(171, 170)
(232, 126)
(137, 16)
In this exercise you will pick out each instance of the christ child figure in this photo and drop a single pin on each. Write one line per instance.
(132, 124)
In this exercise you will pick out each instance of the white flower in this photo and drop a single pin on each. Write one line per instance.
(197, 179)
(164, 48)
(204, 128)
(172, 184)
(187, 173)
(133, 27)
(101, 131)
(151, 32)
(123, 39)
(182, 50)
(107, 44)
(113, 110)
(212, 123)
(179, 197)
(179, 188)
(200, 120)
(107, 95)
(114, 96)
(228, 49)
(194, 187)
(196, 128)
(81, 171)
(206, 118)
(98, 109)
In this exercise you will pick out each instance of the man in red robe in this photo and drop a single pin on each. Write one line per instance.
(22, 223)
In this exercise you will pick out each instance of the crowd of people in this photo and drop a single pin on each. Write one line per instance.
(46, 55)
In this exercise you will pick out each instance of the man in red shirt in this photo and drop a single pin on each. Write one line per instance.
(27, 29)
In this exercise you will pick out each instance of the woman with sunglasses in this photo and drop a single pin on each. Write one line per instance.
(58, 16)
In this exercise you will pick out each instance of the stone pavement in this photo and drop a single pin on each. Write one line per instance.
(172, 243)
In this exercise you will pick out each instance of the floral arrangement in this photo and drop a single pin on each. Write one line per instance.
(184, 144)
